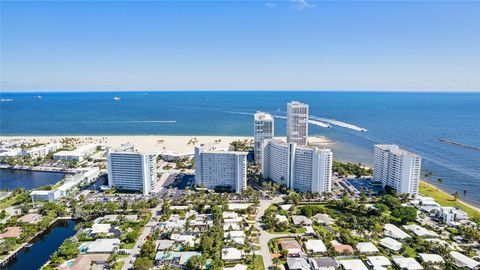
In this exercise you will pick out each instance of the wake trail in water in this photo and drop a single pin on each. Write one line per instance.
(339, 123)
(312, 122)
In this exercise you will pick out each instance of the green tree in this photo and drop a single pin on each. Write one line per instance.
(142, 263)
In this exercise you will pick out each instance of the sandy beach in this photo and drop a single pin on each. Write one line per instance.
(157, 143)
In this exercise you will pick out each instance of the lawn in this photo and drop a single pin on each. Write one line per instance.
(11, 200)
(119, 265)
(127, 245)
(257, 264)
(445, 199)
(297, 230)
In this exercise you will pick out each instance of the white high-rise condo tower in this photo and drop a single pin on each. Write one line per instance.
(297, 123)
(221, 169)
(303, 168)
(263, 126)
(130, 170)
(397, 168)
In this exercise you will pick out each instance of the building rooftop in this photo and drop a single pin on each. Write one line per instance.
(378, 262)
(298, 264)
(298, 220)
(263, 116)
(323, 262)
(390, 243)
(232, 254)
(433, 258)
(315, 246)
(106, 245)
(406, 263)
(395, 232)
(353, 264)
(366, 247)
(463, 261)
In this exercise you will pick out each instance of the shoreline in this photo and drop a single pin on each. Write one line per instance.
(442, 195)
(159, 143)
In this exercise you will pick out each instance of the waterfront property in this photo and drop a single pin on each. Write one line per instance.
(397, 168)
(130, 170)
(297, 123)
(263, 129)
(78, 154)
(302, 168)
(221, 169)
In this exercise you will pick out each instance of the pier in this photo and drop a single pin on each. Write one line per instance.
(458, 144)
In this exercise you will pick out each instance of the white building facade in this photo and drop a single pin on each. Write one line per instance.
(221, 169)
(397, 168)
(297, 123)
(128, 170)
(41, 151)
(306, 169)
(78, 154)
(263, 128)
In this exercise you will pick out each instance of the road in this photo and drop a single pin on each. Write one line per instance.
(135, 251)
(265, 236)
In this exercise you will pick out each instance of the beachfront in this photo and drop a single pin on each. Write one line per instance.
(156, 143)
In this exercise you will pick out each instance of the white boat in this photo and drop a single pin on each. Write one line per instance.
(116, 98)
(6, 100)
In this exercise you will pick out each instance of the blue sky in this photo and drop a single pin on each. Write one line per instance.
(235, 45)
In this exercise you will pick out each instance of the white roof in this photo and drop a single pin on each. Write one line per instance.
(406, 263)
(102, 245)
(395, 232)
(229, 215)
(323, 219)
(434, 258)
(463, 261)
(379, 261)
(100, 228)
(309, 230)
(353, 265)
(238, 206)
(232, 254)
(297, 219)
(420, 231)
(263, 116)
(231, 227)
(366, 247)
(281, 218)
(315, 246)
(390, 243)
(80, 151)
(232, 234)
(286, 207)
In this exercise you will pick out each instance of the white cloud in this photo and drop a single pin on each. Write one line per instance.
(303, 4)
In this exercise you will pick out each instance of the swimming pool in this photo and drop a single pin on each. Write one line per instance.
(367, 185)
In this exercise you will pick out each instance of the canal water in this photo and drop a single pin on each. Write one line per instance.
(43, 246)
(12, 179)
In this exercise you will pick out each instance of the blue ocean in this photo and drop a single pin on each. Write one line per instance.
(413, 120)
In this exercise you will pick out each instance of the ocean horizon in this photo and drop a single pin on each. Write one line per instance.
(413, 120)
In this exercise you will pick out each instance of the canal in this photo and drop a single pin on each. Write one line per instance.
(44, 245)
(12, 178)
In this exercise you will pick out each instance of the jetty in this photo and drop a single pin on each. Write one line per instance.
(458, 144)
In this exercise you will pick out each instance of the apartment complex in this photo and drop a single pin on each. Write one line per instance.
(221, 169)
(78, 154)
(263, 126)
(40, 151)
(306, 169)
(397, 168)
(297, 123)
(129, 170)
